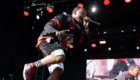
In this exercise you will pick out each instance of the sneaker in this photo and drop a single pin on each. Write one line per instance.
(28, 71)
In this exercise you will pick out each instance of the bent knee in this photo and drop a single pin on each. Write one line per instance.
(60, 58)
(57, 72)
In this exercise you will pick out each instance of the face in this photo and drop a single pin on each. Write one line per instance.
(136, 71)
(79, 15)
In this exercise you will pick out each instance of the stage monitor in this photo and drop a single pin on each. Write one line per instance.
(108, 69)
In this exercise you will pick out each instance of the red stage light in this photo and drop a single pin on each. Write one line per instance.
(80, 5)
(127, 1)
(50, 10)
(93, 45)
(70, 46)
(123, 59)
(106, 2)
(102, 42)
(26, 13)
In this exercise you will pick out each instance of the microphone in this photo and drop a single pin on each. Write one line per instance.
(89, 20)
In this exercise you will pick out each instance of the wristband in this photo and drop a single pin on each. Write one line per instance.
(87, 30)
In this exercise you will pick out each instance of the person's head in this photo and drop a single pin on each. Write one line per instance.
(134, 70)
(79, 13)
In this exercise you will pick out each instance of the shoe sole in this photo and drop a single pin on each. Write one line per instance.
(24, 72)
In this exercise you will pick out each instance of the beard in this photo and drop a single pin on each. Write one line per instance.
(80, 24)
(79, 21)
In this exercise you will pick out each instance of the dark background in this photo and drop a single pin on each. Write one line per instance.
(19, 35)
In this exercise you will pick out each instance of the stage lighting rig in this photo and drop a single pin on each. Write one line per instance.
(50, 8)
(37, 7)
(42, 6)
(26, 10)
(39, 14)
(38, 4)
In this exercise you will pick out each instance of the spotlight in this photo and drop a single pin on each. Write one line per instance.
(39, 14)
(137, 47)
(50, 10)
(93, 9)
(26, 13)
(32, 27)
(85, 50)
(134, 30)
(71, 46)
(104, 32)
(102, 42)
(127, 1)
(109, 48)
(93, 45)
(80, 5)
(122, 30)
(37, 17)
(106, 2)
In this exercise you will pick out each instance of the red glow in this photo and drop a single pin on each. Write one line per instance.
(123, 59)
(127, 1)
(70, 46)
(80, 5)
(106, 2)
(50, 10)
(102, 42)
(26, 13)
(93, 45)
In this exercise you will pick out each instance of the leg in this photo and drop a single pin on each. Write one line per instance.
(55, 71)
(57, 68)
(52, 59)
(55, 74)
(53, 54)
(56, 56)
(29, 69)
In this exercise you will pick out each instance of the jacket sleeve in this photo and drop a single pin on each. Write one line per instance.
(52, 26)
(55, 24)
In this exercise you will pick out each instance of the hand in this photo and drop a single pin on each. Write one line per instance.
(85, 23)
(62, 34)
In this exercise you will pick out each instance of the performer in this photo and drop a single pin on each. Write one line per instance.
(58, 30)
(132, 72)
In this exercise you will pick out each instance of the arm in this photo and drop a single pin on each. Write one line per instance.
(53, 27)
(85, 24)
(62, 34)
